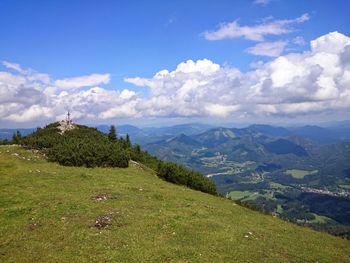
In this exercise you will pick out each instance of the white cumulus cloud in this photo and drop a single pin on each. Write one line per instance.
(316, 81)
(26, 95)
(293, 84)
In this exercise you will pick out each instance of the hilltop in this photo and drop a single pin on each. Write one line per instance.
(51, 213)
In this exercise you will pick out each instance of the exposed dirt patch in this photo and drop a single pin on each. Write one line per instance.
(100, 197)
(103, 222)
(32, 226)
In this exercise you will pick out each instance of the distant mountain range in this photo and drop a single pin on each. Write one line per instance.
(288, 148)
(146, 135)
(318, 134)
(330, 134)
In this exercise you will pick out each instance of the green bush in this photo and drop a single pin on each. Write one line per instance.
(82, 146)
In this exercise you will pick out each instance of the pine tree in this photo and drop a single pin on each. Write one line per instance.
(112, 134)
(19, 135)
(128, 142)
(16, 137)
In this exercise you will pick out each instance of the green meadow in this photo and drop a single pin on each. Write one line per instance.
(299, 174)
(52, 213)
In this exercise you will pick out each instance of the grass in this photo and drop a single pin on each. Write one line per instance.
(239, 195)
(300, 174)
(47, 214)
(277, 186)
(345, 186)
(252, 195)
(279, 209)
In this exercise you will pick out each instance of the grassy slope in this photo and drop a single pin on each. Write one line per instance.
(47, 215)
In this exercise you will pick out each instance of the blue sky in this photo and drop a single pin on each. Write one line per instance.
(129, 39)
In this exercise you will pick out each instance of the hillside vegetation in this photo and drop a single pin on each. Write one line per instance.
(53, 213)
(78, 145)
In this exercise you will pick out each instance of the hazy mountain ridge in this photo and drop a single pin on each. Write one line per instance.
(7, 133)
(334, 132)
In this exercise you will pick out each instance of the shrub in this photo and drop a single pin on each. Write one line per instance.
(81, 146)
(180, 175)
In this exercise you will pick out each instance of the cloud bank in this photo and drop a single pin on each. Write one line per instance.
(316, 81)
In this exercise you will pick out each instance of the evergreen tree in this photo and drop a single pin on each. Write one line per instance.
(19, 135)
(4, 142)
(16, 137)
(128, 142)
(138, 148)
(112, 134)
